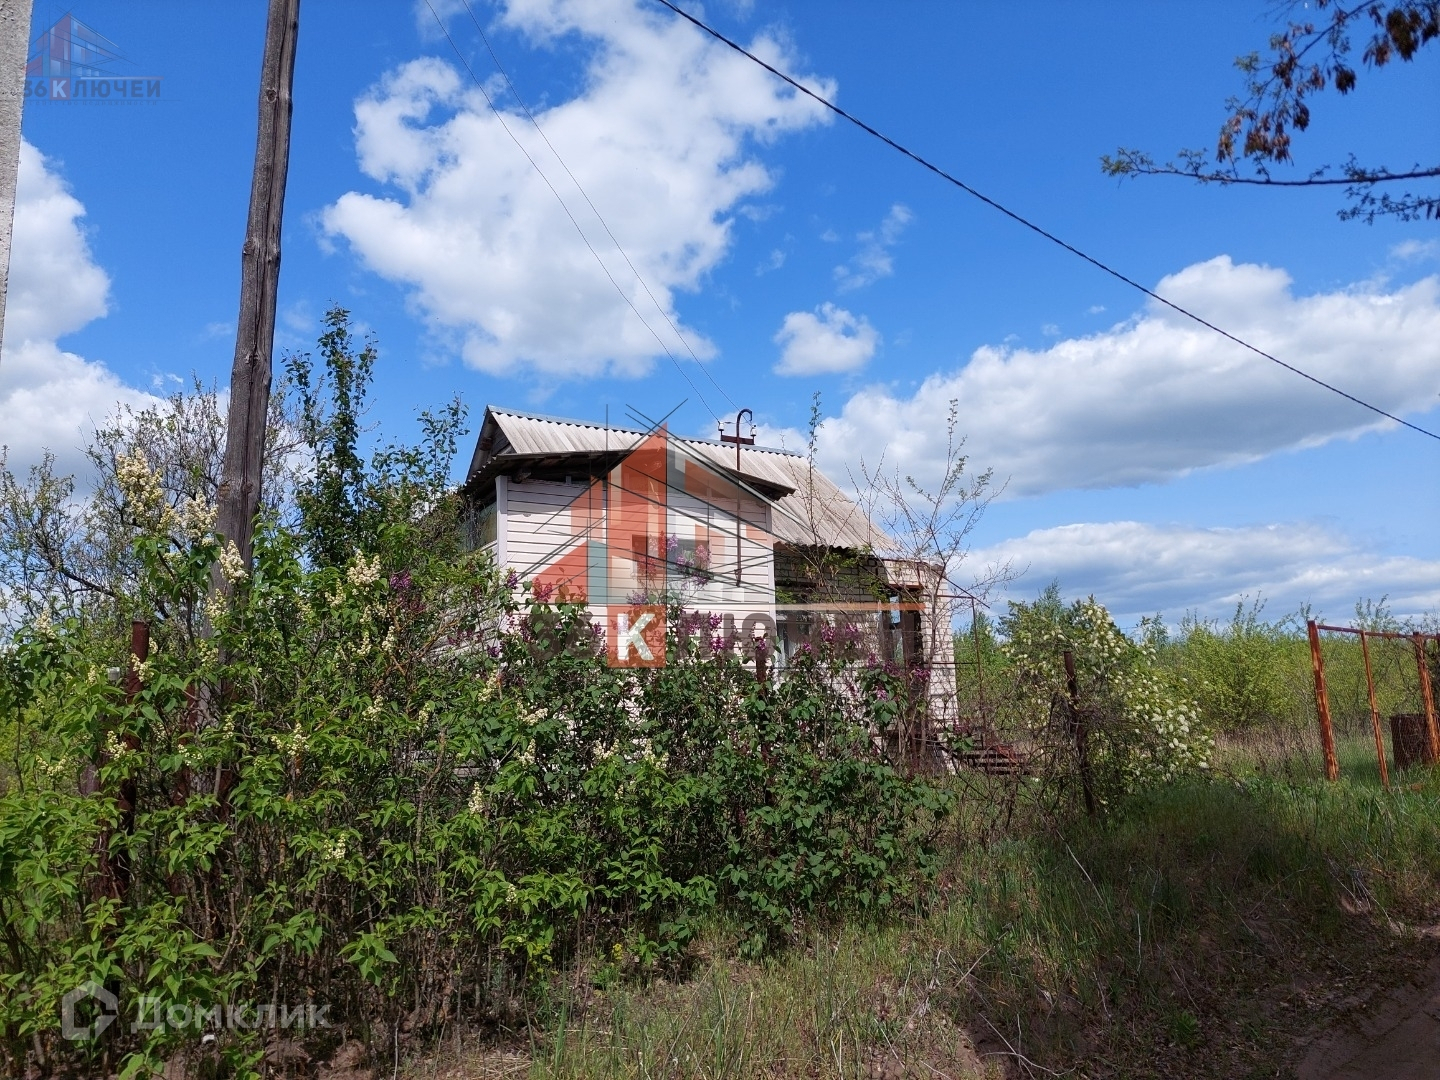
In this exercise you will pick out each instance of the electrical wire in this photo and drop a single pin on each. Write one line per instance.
(665, 314)
(520, 146)
(1020, 219)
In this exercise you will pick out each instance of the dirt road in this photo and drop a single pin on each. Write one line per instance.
(1395, 1035)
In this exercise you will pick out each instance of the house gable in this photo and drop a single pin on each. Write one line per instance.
(661, 521)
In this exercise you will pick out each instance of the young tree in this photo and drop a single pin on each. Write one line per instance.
(344, 502)
(67, 542)
(929, 526)
(1308, 58)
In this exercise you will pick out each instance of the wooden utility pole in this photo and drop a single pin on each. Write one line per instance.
(239, 494)
(14, 46)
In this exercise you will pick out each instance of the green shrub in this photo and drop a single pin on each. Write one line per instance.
(1245, 674)
(1142, 729)
(379, 789)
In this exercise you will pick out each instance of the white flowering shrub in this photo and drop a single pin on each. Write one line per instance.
(1142, 728)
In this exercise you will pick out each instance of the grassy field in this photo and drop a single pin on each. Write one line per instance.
(1205, 930)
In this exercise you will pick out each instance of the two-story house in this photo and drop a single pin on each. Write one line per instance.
(608, 516)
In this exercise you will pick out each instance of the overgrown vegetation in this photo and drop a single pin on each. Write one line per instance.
(372, 775)
(384, 799)
(1200, 932)
(1247, 675)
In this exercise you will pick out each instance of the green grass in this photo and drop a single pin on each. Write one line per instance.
(1197, 932)
(1293, 754)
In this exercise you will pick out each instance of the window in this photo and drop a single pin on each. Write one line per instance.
(900, 628)
(690, 558)
(648, 553)
(673, 559)
(477, 526)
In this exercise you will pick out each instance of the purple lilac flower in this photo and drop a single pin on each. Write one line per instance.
(512, 580)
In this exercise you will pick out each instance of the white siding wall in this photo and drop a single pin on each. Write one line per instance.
(537, 519)
(502, 492)
(938, 633)
(536, 527)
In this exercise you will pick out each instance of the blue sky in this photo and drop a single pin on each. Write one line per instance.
(1146, 461)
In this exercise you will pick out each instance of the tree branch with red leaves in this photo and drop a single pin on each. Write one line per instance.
(1307, 59)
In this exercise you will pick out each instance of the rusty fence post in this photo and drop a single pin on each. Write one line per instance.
(979, 664)
(1427, 692)
(1077, 729)
(1374, 711)
(1322, 704)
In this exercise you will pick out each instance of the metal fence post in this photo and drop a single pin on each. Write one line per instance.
(1432, 736)
(1374, 711)
(1322, 704)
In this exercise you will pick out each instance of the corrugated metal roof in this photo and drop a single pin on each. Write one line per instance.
(816, 511)
(546, 435)
(811, 510)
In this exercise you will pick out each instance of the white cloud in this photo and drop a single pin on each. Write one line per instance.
(661, 137)
(1137, 569)
(1415, 250)
(827, 340)
(1158, 396)
(55, 286)
(50, 397)
(873, 261)
(426, 10)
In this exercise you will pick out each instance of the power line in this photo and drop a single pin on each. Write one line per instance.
(585, 195)
(1020, 219)
(558, 198)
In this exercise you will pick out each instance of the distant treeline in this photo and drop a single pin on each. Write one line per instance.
(1246, 673)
